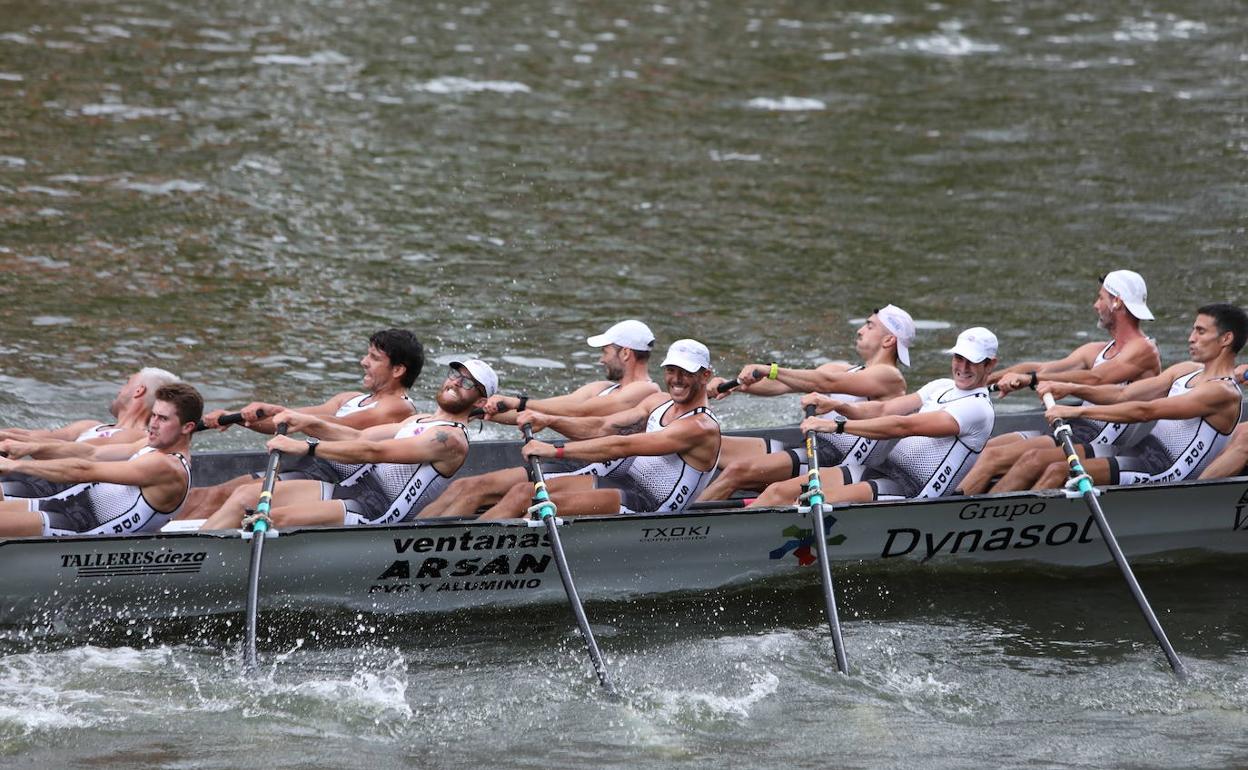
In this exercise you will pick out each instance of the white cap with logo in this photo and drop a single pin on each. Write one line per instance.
(1128, 286)
(630, 334)
(689, 355)
(900, 325)
(481, 372)
(976, 344)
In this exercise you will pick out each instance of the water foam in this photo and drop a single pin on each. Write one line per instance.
(457, 85)
(786, 104)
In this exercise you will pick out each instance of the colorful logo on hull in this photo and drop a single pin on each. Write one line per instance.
(801, 542)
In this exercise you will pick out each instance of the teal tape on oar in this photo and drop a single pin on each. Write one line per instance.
(1062, 435)
(814, 495)
(544, 510)
(259, 528)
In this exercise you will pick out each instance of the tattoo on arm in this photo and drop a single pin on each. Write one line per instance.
(636, 427)
(441, 437)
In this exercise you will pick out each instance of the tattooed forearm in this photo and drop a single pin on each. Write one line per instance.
(627, 430)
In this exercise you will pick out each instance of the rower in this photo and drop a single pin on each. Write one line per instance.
(1120, 305)
(625, 360)
(131, 408)
(117, 489)
(751, 463)
(401, 467)
(391, 365)
(1233, 460)
(940, 430)
(662, 451)
(1196, 405)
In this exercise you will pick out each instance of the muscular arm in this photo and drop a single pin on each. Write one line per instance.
(621, 423)
(1081, 357)
(50, 450)
(146, 471)
(1140, 390)
(1138, 358)
(437, 444)
(1202, 401)
(933, 424)
(680, 437)
(64, 433)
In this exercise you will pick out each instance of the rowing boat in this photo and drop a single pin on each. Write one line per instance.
(445, 566)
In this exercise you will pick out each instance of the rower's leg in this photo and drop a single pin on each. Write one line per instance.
(752, 473)
(201, 502)
(780, 493)
(17, 520)
(312, 513)
(1031, 466)
(518, 499)
(1057, 473)
(1233, 459)
(292, 492)
(594, 502)
(1000, 453)
(464, 496)
(861, 492)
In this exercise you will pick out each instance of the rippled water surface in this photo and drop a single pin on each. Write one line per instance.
(243, 191)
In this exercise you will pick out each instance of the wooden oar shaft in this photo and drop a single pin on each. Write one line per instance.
(1061, 434)
(546, 513)
(821, 547)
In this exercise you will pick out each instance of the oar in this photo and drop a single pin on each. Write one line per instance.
(259, 528)
(544, 509)
(728, 385)
(232, 418)
(814, 493)
(1061, 435)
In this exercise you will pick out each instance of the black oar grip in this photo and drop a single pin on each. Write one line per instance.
(728, 385)
(232, 418)
(810, 410)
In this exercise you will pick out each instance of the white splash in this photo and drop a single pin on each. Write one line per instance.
(125, 111)
(163, 188)
(537, 363)
(316, 59)
(456, 85)
(786, 104)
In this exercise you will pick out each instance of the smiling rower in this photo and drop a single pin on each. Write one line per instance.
(940, 431)
(662, 451)
(401, 467)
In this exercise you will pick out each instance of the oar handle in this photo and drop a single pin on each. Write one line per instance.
(231, 418)
(728, 385)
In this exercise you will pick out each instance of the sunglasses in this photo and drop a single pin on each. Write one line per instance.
(461, 380)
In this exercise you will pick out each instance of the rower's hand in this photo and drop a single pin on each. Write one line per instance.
(294, 421)
(252, 412)
(712, 388)
(499, 404)
(1057, 390)
(1013, 381)
(537, 448)
(15, 449)
(817, 424)
(211, 420)
(1061, 411)
(752, 373)
(288, 445)
(821, 403)
(533, 418)
(1241, 374)
(7, 464)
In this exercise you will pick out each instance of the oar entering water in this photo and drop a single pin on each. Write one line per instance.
(259, 531)
(814, 495)
(544, 510)
(1079, 477)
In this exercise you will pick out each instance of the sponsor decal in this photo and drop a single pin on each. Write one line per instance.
(1241, 513)
(905, 540)
(801, 540)
(125, 563)
(672, 534)
(488, 572)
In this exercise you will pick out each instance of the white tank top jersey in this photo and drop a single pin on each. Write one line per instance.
(1174, 450)
(1098, 433)
(103, 430)
(669, 482)
(394, 492)
(351, 406)
(853, 450)
(98, 508)
(935, 466)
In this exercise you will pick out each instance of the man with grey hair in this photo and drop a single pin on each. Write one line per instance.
(131, 409)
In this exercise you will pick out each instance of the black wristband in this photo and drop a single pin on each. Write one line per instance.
(524, 401)
(1034, 381)
(840, 426)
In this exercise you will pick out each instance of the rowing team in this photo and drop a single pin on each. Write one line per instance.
(370, 458)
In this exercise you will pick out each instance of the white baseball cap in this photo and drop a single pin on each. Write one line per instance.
(975, 344)
(900, 325)
(481, 372)
(630, 334)
(1128, 286)
(689, 355)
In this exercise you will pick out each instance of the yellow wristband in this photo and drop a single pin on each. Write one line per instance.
(775, 371)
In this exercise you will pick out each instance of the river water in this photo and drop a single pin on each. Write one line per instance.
(243, 191)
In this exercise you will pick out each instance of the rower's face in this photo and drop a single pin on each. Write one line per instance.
(967, 375)
(1105, 306)
(1204, 343)
(870, 337)
(124, 396)
(377, 368)
(460, 390)
(163, 428)
(612, 362)
(684, 386)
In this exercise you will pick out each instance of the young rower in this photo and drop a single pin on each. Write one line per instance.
(751, 463)
(1120, 305)
(1233, 459)
(1196, 405)
(940, 430)
(131, 409)
(401, 466)
(116, 489)
(391, 365)
(662, 452)
(625, 361)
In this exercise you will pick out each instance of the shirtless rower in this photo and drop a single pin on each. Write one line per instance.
(1121, 303)
(1196, 405)
(394, 360)
(665, 448)
(117, 489)
(751, 463)
(1233, 460)
(625, 360)
(940, 430)
(402, 466)
(131, 409)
